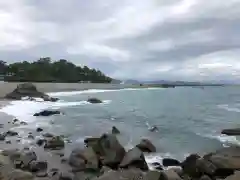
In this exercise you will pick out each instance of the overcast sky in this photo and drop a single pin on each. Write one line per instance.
(127, 39)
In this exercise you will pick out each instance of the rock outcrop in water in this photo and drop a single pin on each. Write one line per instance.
(231, 132)
(28, 90)
(47, 113)
(94, 100)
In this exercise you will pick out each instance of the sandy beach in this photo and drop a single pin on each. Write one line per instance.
(6, 87)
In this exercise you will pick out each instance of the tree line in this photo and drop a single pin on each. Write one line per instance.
(45, 70)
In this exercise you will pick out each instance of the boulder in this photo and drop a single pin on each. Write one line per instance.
(157, 166)
(127, 174)
(23, 123)
(11, 133)
(2, 137)
(134, 158)
(189, 166)
(65, 176)
(47, 113)
(110, 150)
(205, 177)
(40, 142)
(82, 175)
(39, 129)
(26, 157)
(91, 141)
(170, 162)
(153, 175)
(48, 98)
(115, 130)
(170, 175)
(84, 159)
(17, 174)
(55, 142)
(47, 135)
(153, 129)
(231, 132)
(35, 166)
(23, 90)
(146, 146)
(94, 100)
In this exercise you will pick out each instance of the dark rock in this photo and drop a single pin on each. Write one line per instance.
(13, 154)
(205, 167)
(18, 140)
(64, 160)
(17, 164)
(48, 98)
(35, 166)
(47, 113)
(115, 130)
(39, 129)
(170, 162)
(54, 143)
(2, 137)
(231, 132)
(94, 100)
(235, 176)
(48, 135)
(126, 174)
(23, 123)
(40, 142)
(157, 166)
(84, 159)
(189, 166)
(15, 120)
(23, 90)
(134, 158)
(105, 169)
(8, 142)
(30, 136)
(146, 146)
(27, 157)
(170, 175)
(11, 133)
(153, 129)
(92, 141)
(110, 150)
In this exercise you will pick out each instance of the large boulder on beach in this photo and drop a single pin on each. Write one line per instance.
(134, 158)
(55, 142)
(231, 132)
(108, 148)
(84, 159)
(235, 176)
(146, 146)
(94, 100)
(23, 90)
(47, 113)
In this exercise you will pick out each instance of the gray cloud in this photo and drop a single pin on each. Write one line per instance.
(168, 39)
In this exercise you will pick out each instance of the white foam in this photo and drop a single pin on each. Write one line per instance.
(93, 91)
(228, 108)
(24, 109)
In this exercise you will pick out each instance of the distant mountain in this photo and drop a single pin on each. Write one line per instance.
(131, 81)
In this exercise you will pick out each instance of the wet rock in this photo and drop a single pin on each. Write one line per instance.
(40, 142)
(15, 120)
(170, 175)
(153, 129)
(146, 146)
(94, 100)
(84, 159)
(39, 129)
(205, 167)
(30, 136)
(35, 166)
(18, 140)
(27, 157)
(91, 141)
(2, 137)
(23, 123)
(48, 98)
(64, 160)
(134, 158)
(48, 135)
(11, 133)
(54, 143)
(189, 166)
(47, 113)
(231, 132)
(170, 162)
(23, 90)
(157, 166)
(8, 142)
(115, 130)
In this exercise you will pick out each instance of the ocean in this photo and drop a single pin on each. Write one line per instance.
(189, 119)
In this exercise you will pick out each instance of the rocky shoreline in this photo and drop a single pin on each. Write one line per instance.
(102, 158)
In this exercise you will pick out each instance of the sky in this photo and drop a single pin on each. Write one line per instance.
(127, 39)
